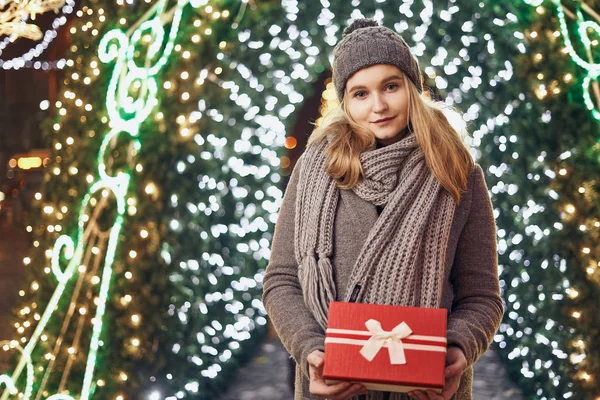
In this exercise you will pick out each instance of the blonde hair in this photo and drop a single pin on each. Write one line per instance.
(445, 153)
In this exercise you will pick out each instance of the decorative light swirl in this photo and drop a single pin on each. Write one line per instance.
(7, 380)
(125, 115)
(593, 69)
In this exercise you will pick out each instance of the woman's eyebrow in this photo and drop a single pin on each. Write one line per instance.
(389, 78)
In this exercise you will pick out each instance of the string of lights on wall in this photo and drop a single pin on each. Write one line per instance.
(15, 16)
(16, 19)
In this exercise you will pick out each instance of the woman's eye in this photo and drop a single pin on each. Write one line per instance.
(359, 94)
(392, 86)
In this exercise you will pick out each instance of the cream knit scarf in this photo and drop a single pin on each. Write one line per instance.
(402, 260)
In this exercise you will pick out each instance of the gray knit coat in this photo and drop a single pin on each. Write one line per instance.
(470, 292)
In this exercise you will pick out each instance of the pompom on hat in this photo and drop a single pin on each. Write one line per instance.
(365, 43)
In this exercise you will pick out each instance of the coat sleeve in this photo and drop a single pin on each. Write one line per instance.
(477, 307)
(282, 295)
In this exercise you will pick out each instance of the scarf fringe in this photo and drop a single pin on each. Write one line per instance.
(318, 287)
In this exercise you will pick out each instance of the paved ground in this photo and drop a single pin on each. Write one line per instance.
(267, 376)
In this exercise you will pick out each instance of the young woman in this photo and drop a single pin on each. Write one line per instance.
(386, 206)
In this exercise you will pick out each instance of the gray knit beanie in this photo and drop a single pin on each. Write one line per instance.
(365, 43)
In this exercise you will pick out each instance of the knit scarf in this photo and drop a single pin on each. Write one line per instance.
(402, 260)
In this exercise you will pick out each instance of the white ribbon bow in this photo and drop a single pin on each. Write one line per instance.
(381, 337)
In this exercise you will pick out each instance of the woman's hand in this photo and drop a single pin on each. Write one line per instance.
(337, 391)
(455, 365)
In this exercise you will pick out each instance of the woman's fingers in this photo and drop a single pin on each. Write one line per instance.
(320, 388)
(434, 396)
(418, 394)
(316, 358)
(354, 390)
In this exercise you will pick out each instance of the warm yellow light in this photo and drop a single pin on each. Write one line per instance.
(136, 319)
(26, 260)
(585, 376)
(568, 77)
(576, 314)
(82, 311)
(123, 376)
(135, 342)
(533, 34)
(570, 208)
(586, 250)
(71, 350)
(133, 254)
(572, 293)
(144, 233)
(100, 382)
(95, 280)
(29, 162)
(150, 188)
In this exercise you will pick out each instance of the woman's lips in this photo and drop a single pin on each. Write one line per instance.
(383, 121)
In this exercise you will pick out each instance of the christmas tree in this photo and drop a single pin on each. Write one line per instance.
(167, 176)
(545, 189)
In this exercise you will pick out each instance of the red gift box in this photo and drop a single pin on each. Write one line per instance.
(386, 348)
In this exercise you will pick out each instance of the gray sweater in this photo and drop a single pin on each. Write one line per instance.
(470, 291)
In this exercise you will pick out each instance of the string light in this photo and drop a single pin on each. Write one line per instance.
(26, 59)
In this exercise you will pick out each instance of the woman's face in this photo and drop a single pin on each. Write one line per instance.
(377, 99)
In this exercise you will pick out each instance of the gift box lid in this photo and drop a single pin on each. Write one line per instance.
(422, 321)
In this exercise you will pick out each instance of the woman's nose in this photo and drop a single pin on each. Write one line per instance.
(379, 104)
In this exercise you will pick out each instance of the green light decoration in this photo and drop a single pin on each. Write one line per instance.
(593, 69)
(126, 116)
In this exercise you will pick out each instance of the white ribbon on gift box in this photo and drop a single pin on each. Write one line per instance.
(392, 340)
